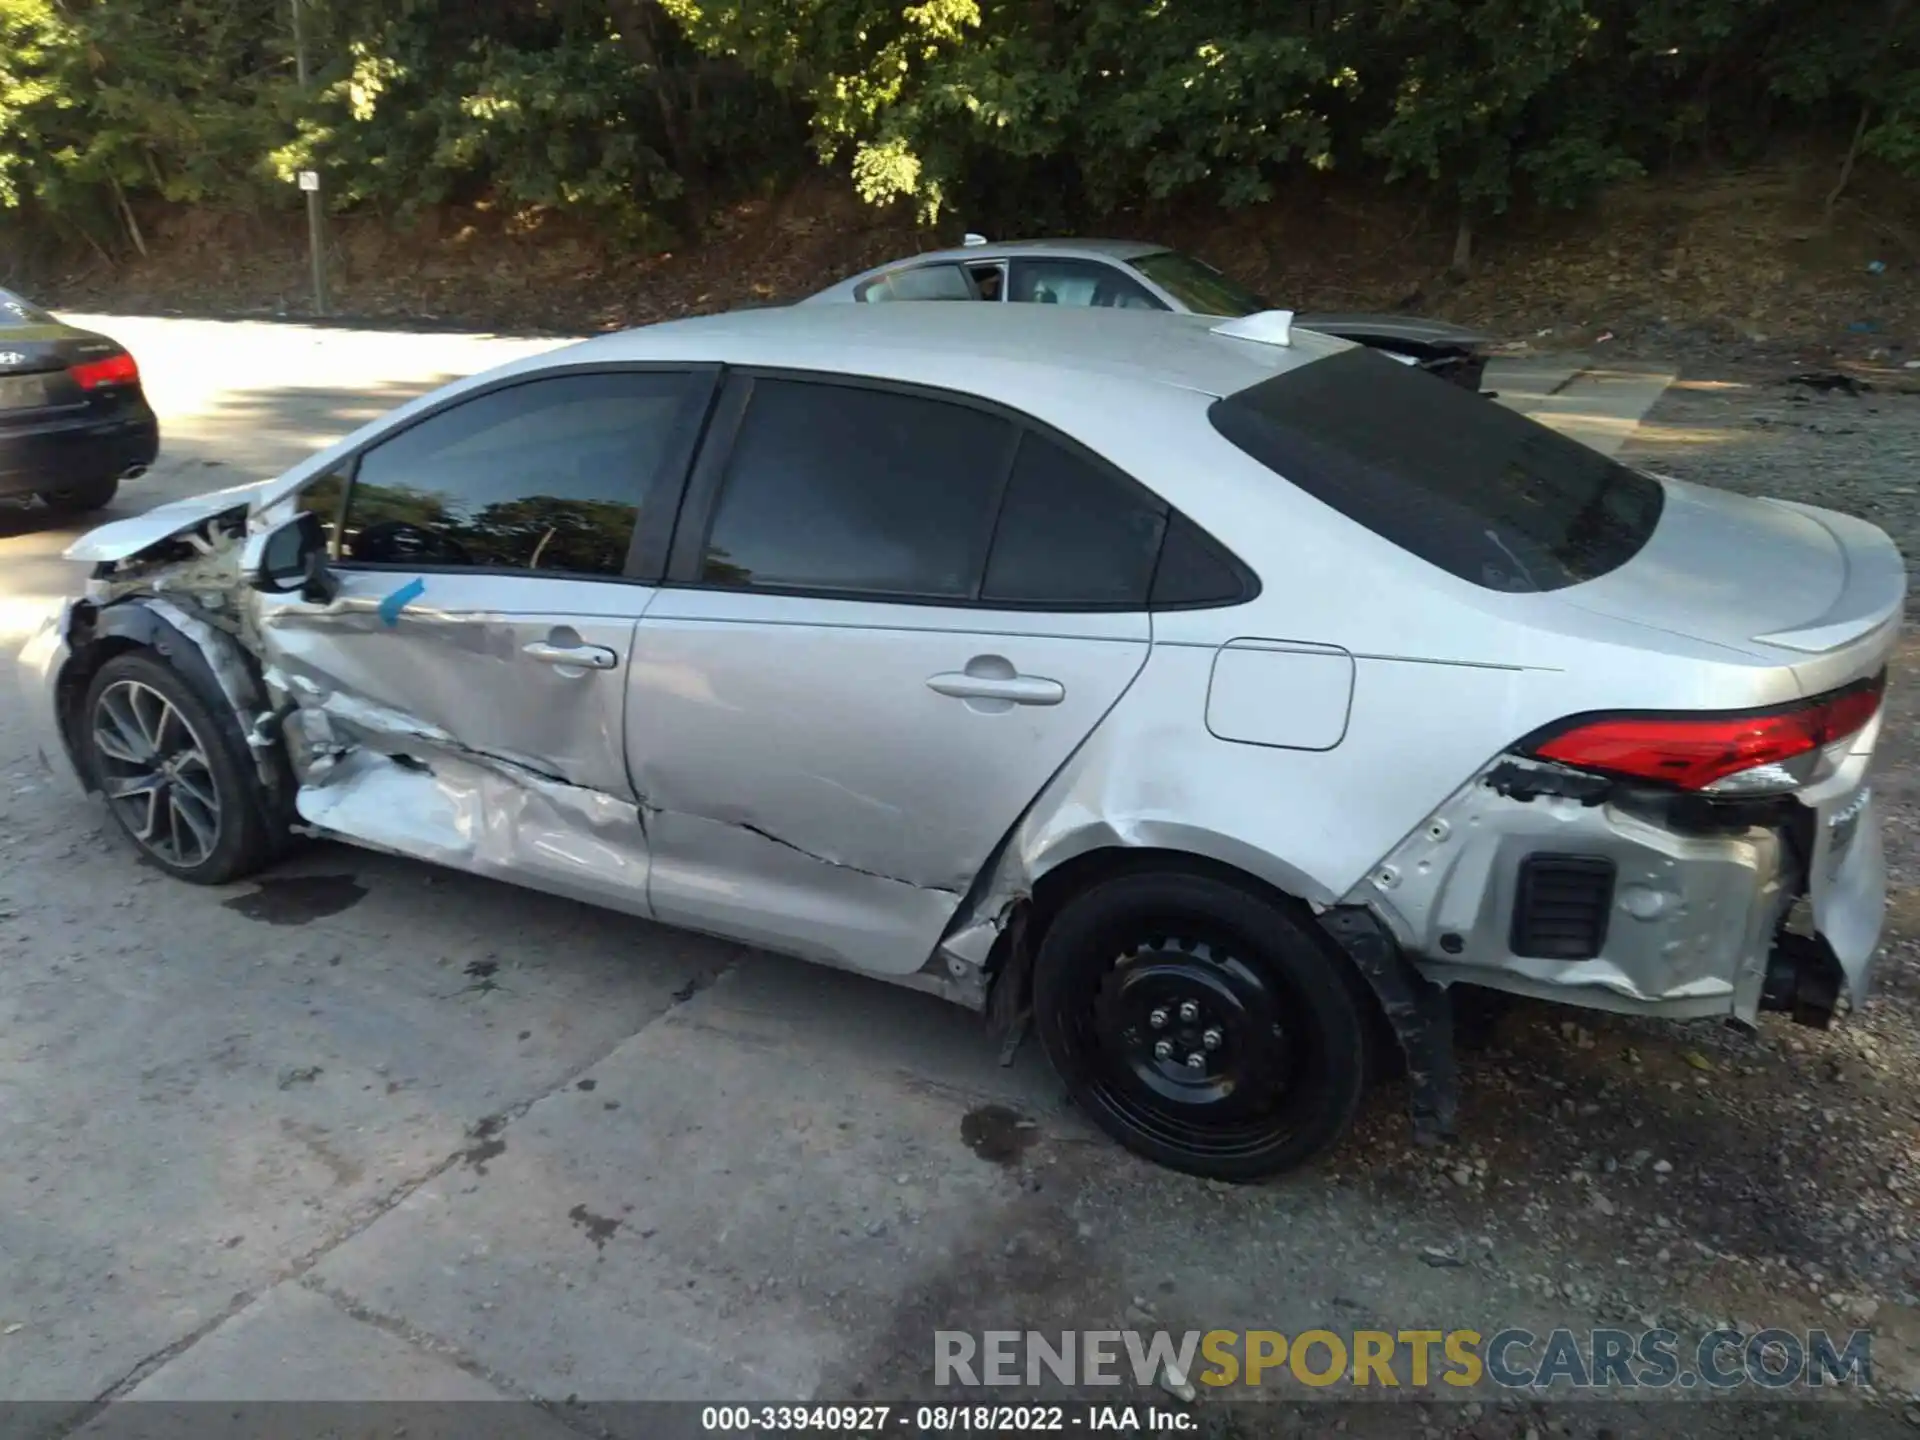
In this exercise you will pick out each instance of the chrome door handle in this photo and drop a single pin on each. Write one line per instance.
(1020, 689)
(585, 657)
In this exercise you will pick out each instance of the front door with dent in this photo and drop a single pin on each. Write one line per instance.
(476, 656)
(863, 678)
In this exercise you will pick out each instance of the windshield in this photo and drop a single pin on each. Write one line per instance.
(15, 311)
(1475, 488)
(1198, 286)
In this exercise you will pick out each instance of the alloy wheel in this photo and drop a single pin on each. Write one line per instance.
(155, 774)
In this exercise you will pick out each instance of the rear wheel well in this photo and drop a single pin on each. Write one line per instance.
(1053, 889)
(1062, 882)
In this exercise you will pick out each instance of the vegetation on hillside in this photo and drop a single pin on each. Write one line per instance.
(641, 114)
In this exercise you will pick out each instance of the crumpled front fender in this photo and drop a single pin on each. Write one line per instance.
(43, 660)
(61, 658)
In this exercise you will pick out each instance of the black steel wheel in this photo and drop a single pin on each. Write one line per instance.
(175, 775)
(1204, 1026)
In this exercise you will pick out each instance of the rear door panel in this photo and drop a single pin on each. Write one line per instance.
(808, 788)
(830, 729)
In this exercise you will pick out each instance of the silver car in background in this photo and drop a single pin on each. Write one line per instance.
(1216, 694)
(1139, 275)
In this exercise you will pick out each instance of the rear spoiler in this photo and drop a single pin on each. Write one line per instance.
(1875, 591)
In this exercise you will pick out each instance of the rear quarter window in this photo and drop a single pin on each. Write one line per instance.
(1465, 484)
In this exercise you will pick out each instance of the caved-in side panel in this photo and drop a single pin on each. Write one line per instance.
(473, 657)
(488, 820)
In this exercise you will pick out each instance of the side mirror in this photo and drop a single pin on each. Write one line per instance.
(293, 556)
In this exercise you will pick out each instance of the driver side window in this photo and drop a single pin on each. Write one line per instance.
(546, 476)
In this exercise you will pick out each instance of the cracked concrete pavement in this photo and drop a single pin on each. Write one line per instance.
(367, 1130)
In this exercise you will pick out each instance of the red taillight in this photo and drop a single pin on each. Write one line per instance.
(1693, 752)
(113, 370)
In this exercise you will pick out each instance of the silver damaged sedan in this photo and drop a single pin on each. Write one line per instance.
(1213, 696)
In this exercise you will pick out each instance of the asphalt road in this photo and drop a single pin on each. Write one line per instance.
(369, 1130)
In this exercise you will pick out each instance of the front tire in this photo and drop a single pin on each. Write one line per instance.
(1203, 1026)
(176, 780)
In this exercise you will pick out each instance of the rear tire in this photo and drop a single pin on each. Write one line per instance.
(1204, 1026)
(177, 780)
(94, 495)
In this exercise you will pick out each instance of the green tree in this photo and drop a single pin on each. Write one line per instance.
(642, 114)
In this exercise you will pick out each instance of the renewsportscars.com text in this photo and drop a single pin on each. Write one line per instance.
(1511, 1358)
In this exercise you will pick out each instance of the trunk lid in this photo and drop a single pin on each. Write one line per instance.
(34, 358)
(1415, 330)
(1773, 578)
(29, 348)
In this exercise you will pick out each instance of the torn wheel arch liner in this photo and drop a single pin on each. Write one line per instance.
(213, 662)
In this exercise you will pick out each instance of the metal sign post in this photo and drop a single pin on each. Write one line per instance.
(310, 179)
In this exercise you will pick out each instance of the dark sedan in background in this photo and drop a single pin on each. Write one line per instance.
(74, 421)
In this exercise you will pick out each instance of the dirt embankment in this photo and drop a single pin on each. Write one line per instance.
(1729, 262)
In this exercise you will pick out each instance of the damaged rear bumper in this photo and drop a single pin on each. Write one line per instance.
(1543, 882)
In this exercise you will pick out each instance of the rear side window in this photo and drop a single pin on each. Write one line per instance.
(852, 491)
(1194, 572)
(1465, 484)
(1072, 532)
(856, 491)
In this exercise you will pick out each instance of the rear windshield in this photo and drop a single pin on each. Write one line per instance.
(1464, 483)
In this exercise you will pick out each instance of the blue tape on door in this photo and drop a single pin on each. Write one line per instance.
(391, 607)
